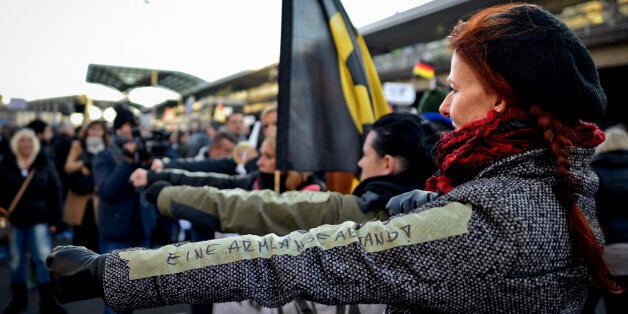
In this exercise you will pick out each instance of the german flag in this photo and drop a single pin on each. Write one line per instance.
(329, 91)
(423, 70)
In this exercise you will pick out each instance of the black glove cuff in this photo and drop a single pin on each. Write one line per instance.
(100, 270)
(153, 190)
(409, 201)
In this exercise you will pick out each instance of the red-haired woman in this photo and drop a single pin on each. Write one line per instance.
(512, 229)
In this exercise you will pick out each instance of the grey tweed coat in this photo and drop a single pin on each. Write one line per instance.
(497, 243)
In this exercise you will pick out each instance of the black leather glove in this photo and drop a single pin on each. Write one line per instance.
(408, 201)
(153, 190)
(76, 273)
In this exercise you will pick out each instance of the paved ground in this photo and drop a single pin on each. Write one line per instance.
(93, 306)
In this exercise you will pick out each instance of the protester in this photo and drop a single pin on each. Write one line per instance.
(268, 120)
(44, 134)
(234, 124)
(81, 206)
(178, 141)
(226, 165)
(61, 145)
(428, 109)
(4, 141)
(610, 163)
(256, 180)
(513, 228)
(396, 160)
(201, 137)
(222, 145)
(35, 215)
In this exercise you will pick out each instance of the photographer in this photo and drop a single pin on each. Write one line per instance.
(119, 212)
(124, 218)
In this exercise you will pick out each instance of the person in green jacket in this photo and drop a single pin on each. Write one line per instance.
(396, 160)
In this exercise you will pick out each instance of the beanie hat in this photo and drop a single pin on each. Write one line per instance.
(431, 100)
(546, 64)
(123, 115)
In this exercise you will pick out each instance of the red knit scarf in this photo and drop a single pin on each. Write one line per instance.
(462, 153)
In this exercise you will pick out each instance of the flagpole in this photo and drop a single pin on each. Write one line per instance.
(277, 180)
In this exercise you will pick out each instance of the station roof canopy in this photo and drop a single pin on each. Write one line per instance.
(126, 78)
(239, 81)
(432, 21)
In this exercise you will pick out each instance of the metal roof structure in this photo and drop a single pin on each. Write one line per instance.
(425, 23)
(239, 81)
(126, 78)
(432, 21)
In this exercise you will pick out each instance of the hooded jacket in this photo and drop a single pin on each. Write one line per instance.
(612, 169)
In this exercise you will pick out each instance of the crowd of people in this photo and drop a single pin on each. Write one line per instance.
(76, 184)
(497, 213)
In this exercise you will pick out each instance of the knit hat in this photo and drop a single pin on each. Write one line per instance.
(123, 115)
(546, 64)
(431, 100)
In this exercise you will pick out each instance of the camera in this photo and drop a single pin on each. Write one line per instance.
(149, 147)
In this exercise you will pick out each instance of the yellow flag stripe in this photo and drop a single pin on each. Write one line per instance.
(380, 105)
(363, 107)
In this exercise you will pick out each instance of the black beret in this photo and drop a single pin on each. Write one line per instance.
(547, 65)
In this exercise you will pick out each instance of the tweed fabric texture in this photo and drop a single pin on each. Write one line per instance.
(515, 257)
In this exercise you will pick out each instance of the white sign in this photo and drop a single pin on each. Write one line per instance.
(399, 93)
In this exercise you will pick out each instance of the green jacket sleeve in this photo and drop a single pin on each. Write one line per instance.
(260, 212)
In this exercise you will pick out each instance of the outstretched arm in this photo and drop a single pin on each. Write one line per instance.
(394, 262)
(260, 212)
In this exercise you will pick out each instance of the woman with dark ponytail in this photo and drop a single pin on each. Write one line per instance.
(509, 225)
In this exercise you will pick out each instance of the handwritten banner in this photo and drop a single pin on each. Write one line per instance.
(433, 224)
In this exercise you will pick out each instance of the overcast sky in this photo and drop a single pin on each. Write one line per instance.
(46, 46)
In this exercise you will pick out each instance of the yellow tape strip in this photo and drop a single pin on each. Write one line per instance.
(430, 225)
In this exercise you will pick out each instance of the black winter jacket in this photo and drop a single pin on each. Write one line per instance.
(41, 201)
(612, 196)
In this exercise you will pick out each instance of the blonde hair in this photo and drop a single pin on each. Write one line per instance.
(36, 145)
(293, 178)
(616, 139)
(267, 110)
(271, 139)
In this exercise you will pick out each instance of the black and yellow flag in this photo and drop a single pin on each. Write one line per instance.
(329, 91)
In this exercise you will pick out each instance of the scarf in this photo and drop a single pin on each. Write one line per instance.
(463, 153)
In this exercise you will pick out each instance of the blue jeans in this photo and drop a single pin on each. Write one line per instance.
(35, 239)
